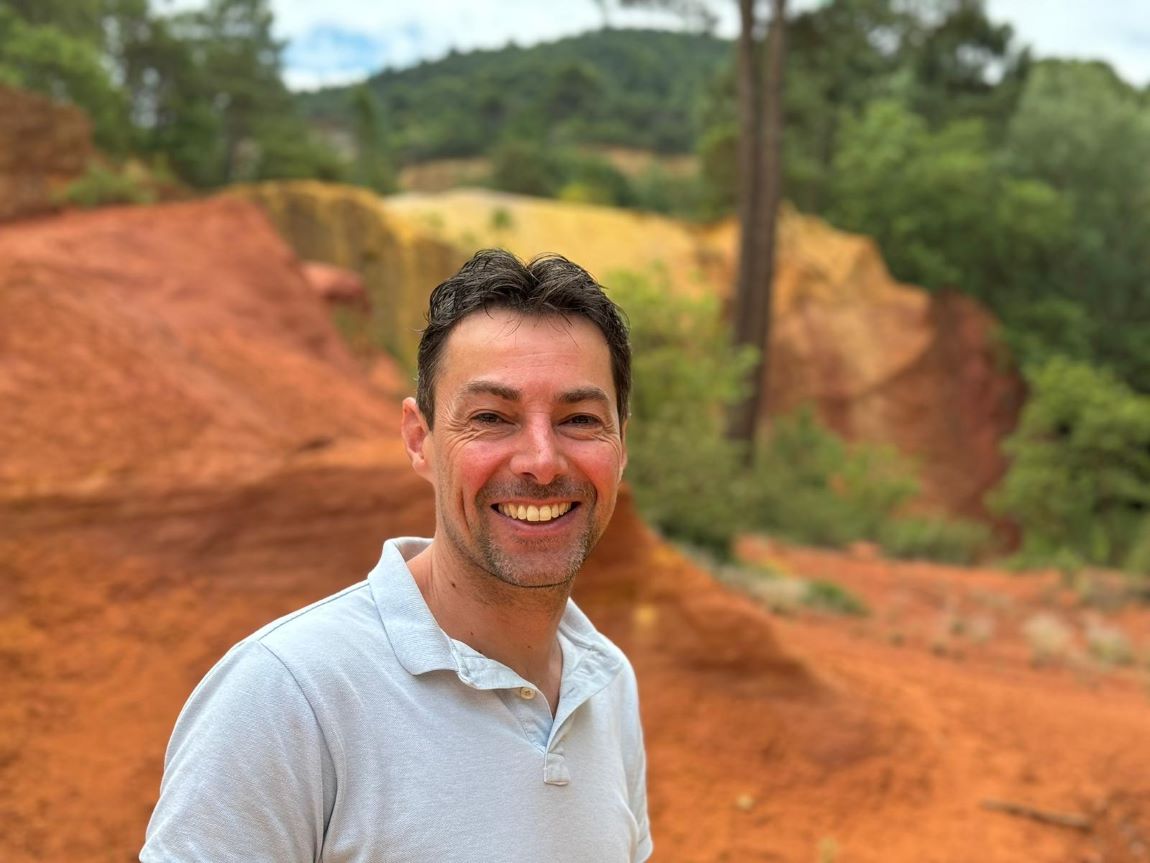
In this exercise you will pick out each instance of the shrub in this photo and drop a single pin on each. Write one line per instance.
(946, 540)
(828, 596)
(1107, 643)
(529, 167)
(102, 185)
(781, 595)
(501, 220)
(687, 477)
(1079, 485)
(1138, 560)
(1049, 638)
(660, 191)
(812, 487)
(525, 168)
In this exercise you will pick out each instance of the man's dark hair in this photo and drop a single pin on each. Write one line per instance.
(548, 285)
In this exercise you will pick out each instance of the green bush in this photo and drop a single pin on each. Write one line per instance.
(834, 598)
(102, 185)
(1138, 560)
(526, 168)
(660, 191)
(812, 487)
(1079, 484)
(534, 167)
(946, 540)
(687, 477)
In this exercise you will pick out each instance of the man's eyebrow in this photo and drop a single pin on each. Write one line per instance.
(481, 387)
(585, 394)
(511, 394)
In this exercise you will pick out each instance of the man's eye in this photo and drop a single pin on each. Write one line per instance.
(584, 420)
(487, 418)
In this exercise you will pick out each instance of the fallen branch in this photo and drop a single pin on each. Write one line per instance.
(1073, 820)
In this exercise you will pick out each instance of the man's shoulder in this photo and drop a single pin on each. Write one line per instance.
(322, 629)
(349, 618)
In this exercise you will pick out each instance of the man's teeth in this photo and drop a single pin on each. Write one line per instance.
(534, 513)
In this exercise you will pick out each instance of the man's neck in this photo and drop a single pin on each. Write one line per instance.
(515, 626)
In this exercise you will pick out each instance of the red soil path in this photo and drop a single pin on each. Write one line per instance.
(187, 451)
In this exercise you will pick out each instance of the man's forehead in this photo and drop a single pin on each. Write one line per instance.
(494, 353)
(485, 335)
(499, 322)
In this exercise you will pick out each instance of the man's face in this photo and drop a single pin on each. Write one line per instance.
(527, 450)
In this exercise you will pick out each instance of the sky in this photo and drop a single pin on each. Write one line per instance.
(336, 41)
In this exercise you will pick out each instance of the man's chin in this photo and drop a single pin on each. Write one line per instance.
(532, 571)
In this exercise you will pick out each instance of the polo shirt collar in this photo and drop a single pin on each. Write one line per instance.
(421, 646)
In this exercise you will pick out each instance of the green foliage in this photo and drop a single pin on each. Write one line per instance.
(102, 185)
(373, 166)
(47, 59)
(828, 596)
(940, 207)
(718, 158)
(282, 150)
(660, 191)
(627, 88)
(531, 167)
(1138, 559)
(200, 88)
(598, 180)
(501, 219)
(687, 477)
(526, 168)
(965, 66)
(1037, 331)
(941, 539)
(1082, 131)
(1079, 485)
(812, 487)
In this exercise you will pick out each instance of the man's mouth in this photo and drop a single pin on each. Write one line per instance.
(535, 512)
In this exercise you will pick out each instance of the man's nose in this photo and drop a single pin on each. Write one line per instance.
(539, 453)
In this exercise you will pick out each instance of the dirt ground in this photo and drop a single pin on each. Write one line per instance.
(879, 748)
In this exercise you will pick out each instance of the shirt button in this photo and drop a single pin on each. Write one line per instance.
(526, 692)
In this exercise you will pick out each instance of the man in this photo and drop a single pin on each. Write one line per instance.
(456, 705)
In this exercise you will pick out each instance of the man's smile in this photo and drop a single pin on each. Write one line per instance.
(535, 512)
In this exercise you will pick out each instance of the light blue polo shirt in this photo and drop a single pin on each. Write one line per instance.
(356, 730)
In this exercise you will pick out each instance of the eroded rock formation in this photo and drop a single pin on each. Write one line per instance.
(351, 227)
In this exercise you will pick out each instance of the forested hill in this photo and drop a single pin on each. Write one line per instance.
(613, 87)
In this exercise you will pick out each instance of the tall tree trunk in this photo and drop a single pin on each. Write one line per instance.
(760, 169)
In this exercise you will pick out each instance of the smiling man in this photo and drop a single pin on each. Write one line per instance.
(456, 705)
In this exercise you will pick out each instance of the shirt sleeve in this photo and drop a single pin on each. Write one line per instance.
(248, 774)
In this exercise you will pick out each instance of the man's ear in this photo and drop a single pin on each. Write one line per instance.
(417, 439)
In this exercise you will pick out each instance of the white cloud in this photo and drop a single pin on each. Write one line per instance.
(409, 31)
(1117, 31)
